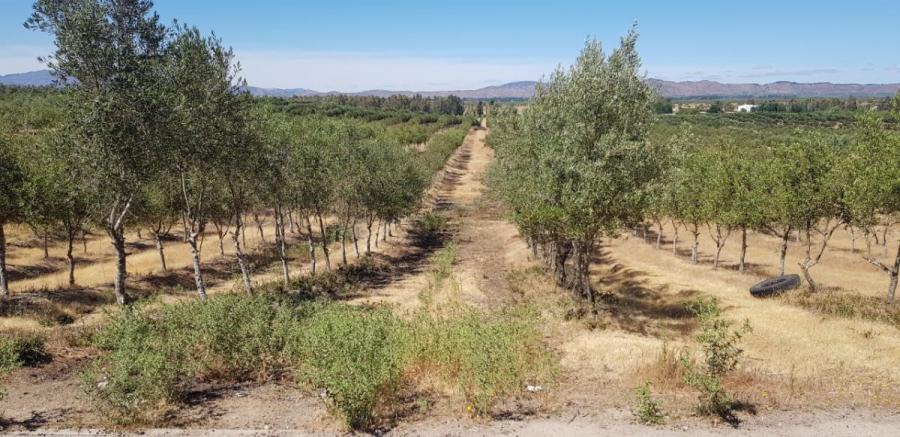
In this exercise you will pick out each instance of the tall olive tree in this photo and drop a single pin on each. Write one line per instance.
(113, 49)
(687, 184)
(204, 92)
(158, 209)
(748, 204)
(718, 198)
(12, 180)
(58, 193)
(277, 179)
(820, 196)
(584, 153)
(872, 177)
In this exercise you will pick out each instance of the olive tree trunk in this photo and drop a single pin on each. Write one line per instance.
(719, 237)
(118, 236)
(784, 248)
(324, 235)
(159, 248)
(4, 279)
(70, 240)
(259, 227)
(811, 258)
(344, 242)
(369, 221)
(742, 264)
(195, 258)
(659, 233)
(239, 253)
(281, 241)
(892, 272)
(675, 237)
(312, 246)
(355, 238)
(695, 246)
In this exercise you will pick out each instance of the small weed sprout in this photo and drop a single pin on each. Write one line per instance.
(647, 409)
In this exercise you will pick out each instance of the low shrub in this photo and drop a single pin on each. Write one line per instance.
(321, 284)
(719, 343)
(356, 355)
(430, 227)
(152, 356)
(646, 408)
(489, 356)
(18, 350)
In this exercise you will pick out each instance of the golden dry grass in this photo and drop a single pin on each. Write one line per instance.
(839, 267)
(847, 355)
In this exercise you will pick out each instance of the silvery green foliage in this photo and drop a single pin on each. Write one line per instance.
(575, 166)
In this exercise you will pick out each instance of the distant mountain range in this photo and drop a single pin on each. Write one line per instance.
(524, 90)
(513, 90)
(31, 78)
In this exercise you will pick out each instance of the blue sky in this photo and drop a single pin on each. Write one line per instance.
(429, 45)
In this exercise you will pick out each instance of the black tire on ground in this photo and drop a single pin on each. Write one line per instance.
(775, 285)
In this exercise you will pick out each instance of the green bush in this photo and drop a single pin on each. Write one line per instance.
(320, 284)
(21, 350)
(719, 343)
(430, 227)
(646, 408)
(489, 356)
(356, 355)
(152, 356)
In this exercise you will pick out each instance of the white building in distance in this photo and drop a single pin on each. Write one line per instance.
(747, 108)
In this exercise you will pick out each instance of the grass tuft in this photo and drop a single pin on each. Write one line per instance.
(845, 304)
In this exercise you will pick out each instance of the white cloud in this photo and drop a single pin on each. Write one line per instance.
(358, 72)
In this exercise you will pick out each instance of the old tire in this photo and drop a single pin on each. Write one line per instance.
(775, 285)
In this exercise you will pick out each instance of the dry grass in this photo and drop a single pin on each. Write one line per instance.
(841, 267)
(846, 304)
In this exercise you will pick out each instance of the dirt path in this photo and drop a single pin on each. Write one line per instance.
(487, 247)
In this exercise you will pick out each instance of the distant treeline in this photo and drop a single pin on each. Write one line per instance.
(793, 105)
(450, 105)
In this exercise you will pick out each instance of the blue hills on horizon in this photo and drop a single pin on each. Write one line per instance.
(525, 89)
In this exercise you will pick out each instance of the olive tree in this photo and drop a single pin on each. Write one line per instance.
(872, 177)
(820, 197)
(205, 95)
(748, 202)
(58, 193)
(113, 50)
(688, 184)
(158, 210)
(586, 155)
(719, 199)
(12, 180)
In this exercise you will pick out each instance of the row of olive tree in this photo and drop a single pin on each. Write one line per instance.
(158, 132)
(806, 184)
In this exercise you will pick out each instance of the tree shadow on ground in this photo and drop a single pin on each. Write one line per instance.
(377, 270)
(634, 305)
(37, 420)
